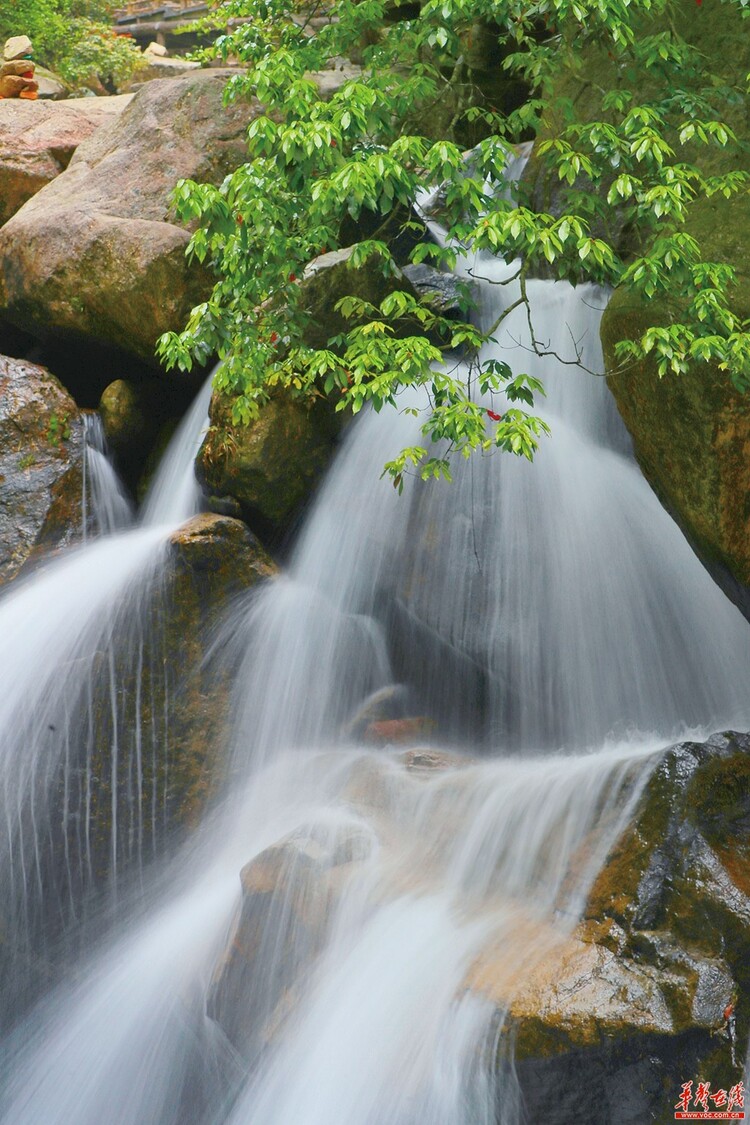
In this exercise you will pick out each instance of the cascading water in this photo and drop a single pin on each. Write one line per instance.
(105, 507)
(73, 652)
(393, 900)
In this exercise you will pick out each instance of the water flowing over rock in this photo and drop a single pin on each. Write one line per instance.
(38, 139)
(127, 727)
(691, 432)
(160, 701)
(529, 911)
(96, 254)
(41, 465)
(662, 952)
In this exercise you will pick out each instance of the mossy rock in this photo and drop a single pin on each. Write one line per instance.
(328, 278)
(171, 703)
(628, 1005)
(270, 466)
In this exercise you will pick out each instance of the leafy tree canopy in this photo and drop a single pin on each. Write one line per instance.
(320, 167)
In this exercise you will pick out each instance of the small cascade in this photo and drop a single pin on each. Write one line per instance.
(106, 507)
(84, 715)
(400, 887)
(174, 495)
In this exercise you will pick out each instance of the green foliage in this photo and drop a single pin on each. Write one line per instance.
(44, 21)
(72, 38)
(58, 429)
(95, 52)
(318, 164)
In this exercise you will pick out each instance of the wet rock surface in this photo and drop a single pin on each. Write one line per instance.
(163, 700)
(635, 1003)
(41, 465)
(691, 432)
(601, 1023)
(283, 922)
(444, 293)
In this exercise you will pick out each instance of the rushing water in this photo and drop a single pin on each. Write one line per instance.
(548, 620)
(70, 634)
(105, 506)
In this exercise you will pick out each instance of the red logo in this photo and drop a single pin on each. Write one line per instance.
(719, 1105)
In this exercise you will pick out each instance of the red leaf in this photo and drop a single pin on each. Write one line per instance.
(495, 417)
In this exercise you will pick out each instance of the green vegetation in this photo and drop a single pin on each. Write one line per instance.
(73, 38)
(327, 171)
(59, 429)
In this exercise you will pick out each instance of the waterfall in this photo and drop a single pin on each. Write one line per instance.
(551, 627)
(105, 506)
(174, 494)
(72, 633)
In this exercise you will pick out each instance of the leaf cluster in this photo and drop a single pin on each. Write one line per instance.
(320, 161)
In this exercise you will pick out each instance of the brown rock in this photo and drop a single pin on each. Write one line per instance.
(41, 465)
(96, 254)
(38, 139)
(562, 994)
(270, 466)
(23, 67)
(15, 86)
(219, 555)
(288, 893)
(173, 702)
(387, 731)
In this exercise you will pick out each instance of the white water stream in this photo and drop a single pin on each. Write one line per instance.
(65, 631)
(393, 901)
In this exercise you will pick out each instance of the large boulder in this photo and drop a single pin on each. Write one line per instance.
(96, 254)
(41, 465)
(691, 433)
(271, 465)
(38, 139)
(633, 1003)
